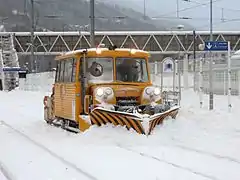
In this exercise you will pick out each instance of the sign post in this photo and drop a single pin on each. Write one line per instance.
(214, 46)
(169, 68)
(201, 82)
(229, 76)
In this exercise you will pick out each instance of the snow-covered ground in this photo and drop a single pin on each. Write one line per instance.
(198, 145)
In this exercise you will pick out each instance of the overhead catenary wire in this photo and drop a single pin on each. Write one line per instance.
(216, 6)
(199, 4)
(219, 22)
(223, 9)
(185, 9)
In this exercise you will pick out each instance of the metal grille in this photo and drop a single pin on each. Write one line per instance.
(127, 101)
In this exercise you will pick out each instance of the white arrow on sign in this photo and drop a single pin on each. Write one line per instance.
(209, 46)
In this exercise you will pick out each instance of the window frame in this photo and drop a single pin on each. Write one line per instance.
(74, 69)
(62, 71)
(67, 73)
(147, 68)
(86, 66)
(57, 74)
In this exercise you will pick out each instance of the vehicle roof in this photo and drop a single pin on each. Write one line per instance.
(94, 50)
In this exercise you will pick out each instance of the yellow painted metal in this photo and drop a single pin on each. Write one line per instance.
(67, 96)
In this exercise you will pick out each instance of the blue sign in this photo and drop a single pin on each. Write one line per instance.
(216, 46)
(11, 69)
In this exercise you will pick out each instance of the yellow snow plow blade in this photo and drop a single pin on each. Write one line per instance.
(142, 124)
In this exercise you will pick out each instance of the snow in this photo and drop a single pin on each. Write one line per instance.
(200, 144)
(2, 177)
(32, 158)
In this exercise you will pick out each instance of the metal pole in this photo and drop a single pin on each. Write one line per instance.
(36, 59)
(25, 7)
(155, 71)
(211, 20)
(201, 82)
(211, 62)
(144, 9)
(174, 75)
(161, 64)
(32, 36)
(194, 60)
(177, 8)
(178, 76)
(2, 44)
(185, 71)
(179, 81)
(238, 75)
(224, 83)
(92, 17)
(229, 77)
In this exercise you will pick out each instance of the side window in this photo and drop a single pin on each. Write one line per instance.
(74, 65)
(81, 69)
(57, 76)
(65, 79)
(62, 71)
(68, 71)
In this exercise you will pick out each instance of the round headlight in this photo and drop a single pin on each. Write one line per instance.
(148, 91)
(157, 91)
(108, 91)
(100, 92)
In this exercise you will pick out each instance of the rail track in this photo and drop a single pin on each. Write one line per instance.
(44, 148)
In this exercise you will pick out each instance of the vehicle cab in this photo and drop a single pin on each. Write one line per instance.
(118, 79)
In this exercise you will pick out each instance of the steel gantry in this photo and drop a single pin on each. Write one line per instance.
(157, 42)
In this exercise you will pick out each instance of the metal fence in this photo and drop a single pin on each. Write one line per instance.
(220, 78)
(201, 80)
(172, 76)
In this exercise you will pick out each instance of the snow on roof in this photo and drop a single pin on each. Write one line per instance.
(102, 49)
(237, 52)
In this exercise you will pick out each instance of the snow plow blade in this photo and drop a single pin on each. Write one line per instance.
(142, 124)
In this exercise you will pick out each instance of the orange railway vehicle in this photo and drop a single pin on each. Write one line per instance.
(101, 85)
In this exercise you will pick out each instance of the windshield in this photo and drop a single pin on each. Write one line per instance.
(99, 70)
(131, 70)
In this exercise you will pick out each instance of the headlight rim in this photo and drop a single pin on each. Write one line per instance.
(147, 90)
(159, 91)
(102, 92)
(108, 91)
(151, 90)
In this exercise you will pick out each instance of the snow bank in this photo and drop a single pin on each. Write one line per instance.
(2, 177)
(38, 82)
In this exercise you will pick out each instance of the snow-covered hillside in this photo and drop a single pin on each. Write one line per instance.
(198, 145)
